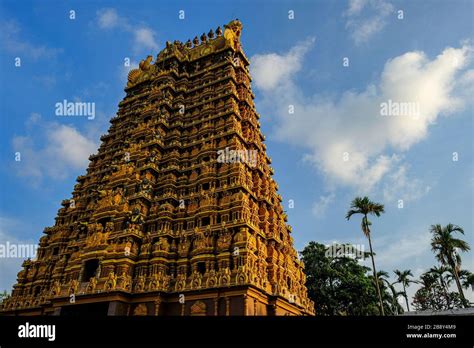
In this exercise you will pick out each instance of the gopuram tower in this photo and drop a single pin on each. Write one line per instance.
(178, 213)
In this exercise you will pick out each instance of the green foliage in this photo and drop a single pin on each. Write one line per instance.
(365, 207)
(403, 279)
(434, 294)
(3, 295)
(340, 285)
(446, 248)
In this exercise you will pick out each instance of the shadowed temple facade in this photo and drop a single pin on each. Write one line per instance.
(178, 213)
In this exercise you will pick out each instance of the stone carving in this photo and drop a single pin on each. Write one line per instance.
(198, 308)
(141, 309)
(111, 282)
(92, 284)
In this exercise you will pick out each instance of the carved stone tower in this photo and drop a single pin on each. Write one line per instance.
(178, 213)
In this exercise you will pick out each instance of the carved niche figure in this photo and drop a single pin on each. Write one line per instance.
(241, 235)
(111, 282)
(105, 198)
(151, 158)
(251, 242)
(162, 244)
(180, 282)
(125, 281)
(224, 277)
(145, 247)
(141, 309)
(92, 284)
(164, 279)
(140, 286)
(155, 282)
(73, 286)
(224, 240)
(211, 279)
(196, 279)
(146, 187)
(118, 196)
(56, 288)
(96, 236)
(183, 246)
(136, 217)
(201, 240)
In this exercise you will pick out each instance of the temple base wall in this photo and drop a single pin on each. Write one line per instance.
(245, 301)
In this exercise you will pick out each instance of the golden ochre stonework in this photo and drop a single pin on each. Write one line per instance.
(178, 213)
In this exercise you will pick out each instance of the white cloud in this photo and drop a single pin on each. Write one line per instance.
(346, 137)
(355, 6)
(68, 145)
(268, 70)
(399, 186)
(11, 42)
(319, 208)
(399, 248)
(365, 18)
(52, 150)
(108, 18)
(144, 38)
(10, 266)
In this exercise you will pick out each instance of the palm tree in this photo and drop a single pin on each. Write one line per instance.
(427, 280)
(402, 278)
(392, 301)
(468, 279)
(366, 207)
(439, 272)
(430, 295)
(446, 246)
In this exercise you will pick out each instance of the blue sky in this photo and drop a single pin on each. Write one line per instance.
(424, 57)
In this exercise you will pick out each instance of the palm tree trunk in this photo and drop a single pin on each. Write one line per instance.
(445, 289)
(406, 297)
(458, 283)
(375, 271)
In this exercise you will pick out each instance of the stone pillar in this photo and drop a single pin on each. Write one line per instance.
(98, 271)
(81, 272)
(216, 306)
(157, 306)
(227, 306)
(245, 304)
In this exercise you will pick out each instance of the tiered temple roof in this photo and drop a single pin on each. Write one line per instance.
(178, 213)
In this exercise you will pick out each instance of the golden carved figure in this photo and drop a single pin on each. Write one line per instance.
(111, 281)
(92, 284)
